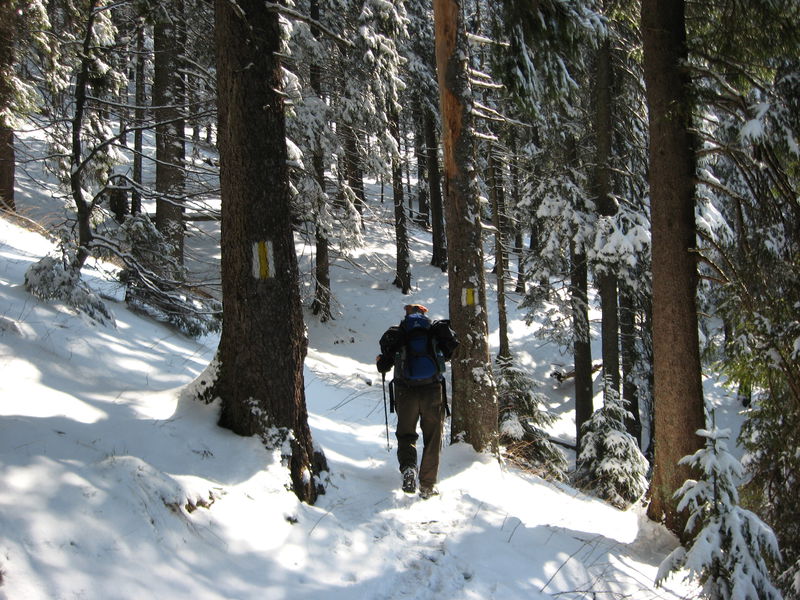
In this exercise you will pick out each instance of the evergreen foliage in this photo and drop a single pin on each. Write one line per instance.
(772, 465)
(355, 82)
(523, 423)
(29, 21)
(610, 464)
(51, 279)
(153, 280)
(748, 82)
(729, 552)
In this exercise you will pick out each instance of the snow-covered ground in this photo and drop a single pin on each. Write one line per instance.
(115, 484)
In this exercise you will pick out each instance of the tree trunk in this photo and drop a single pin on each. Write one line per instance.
(474, 392)
(627, 331)
(678, 393)
(606, 207)
(579, 300)
(321, 305)
(403, 269)
(168, 95)
(423, 186)
(582, 350)
(519, 249)
(439, 256)
(355, 174)
(498, 212)
(263, 344)
(139, 115)
(82, 207)
(8, 26)
(7, 166)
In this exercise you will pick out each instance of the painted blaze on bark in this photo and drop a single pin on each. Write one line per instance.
(474, 392)
(263, 344)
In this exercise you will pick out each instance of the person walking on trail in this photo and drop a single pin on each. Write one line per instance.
(417, 350)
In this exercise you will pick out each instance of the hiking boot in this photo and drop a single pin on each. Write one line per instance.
(426, 492)
(409, 480)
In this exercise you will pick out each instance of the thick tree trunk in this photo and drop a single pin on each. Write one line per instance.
(439, 257)
(474, 392)
(168, 95)
(678, 393)
(263, 344)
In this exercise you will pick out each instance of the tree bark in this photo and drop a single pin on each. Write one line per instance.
(474, 418)
(519, 248)
(355, 174)
(82, 207)
(606, 207)
(139, 116)
(263, 344)
(423, 216)
(168, 96)
(579, 301)
(403, 268)
(582, 350)
(500, 255)
(7, 167)
(678, 393)
(628, 355)
(439, 256)
(8, 26)
(321, 305)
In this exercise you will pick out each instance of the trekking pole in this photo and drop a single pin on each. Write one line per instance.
(385, 412)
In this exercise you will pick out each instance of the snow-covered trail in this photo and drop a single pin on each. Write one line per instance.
(106, 465)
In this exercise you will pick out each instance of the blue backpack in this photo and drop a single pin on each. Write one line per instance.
(418, 361)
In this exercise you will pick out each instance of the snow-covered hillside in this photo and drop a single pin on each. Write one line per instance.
(115, 484)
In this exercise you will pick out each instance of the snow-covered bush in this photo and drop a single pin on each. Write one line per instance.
(523, 420)
(155, 280)
(729, 552)
(610, 464)
(50, 279)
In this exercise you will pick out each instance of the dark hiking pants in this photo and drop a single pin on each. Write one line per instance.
(424, 404)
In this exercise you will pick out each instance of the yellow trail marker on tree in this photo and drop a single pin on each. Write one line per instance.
(263, 260)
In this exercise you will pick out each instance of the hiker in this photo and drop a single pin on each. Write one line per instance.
(416, 350)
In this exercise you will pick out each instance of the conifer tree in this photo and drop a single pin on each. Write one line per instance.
(259, 367)
(474, 392)
(747, 87)
(524, 422)
(23, 27)
(678, 393)
(610, 464)
(169, 98)
(729, 546)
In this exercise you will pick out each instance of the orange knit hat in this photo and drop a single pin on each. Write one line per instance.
(415, 308)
